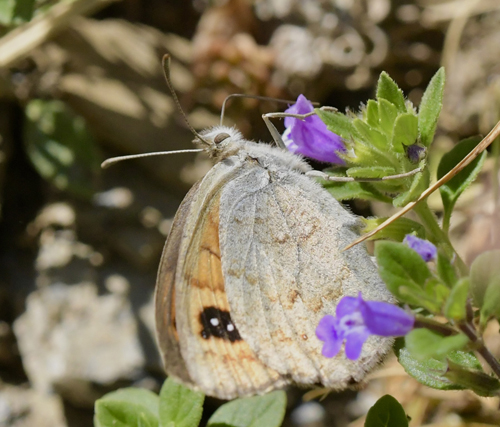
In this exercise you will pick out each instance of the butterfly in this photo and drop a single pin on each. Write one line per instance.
(252, 263)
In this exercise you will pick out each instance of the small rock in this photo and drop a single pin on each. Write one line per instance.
(70, 338)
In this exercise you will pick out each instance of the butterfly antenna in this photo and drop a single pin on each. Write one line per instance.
(166, 72)
(114, 160)
(262, 98)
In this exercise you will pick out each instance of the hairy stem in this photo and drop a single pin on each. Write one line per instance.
(469, 330)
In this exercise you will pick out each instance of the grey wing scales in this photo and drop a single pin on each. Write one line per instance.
(284, 270)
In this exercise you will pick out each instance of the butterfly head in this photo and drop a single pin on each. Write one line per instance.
(220, 141)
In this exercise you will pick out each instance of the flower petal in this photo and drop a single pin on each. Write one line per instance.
(310, 136)
(331, 348)
(382, 318)
(326, 328)
(347, 305)
(424, 248)
(354, 343)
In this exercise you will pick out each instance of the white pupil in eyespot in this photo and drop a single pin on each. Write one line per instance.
(230, 327)
(214, 321)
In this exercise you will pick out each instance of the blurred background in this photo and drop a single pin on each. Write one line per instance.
(81, 81)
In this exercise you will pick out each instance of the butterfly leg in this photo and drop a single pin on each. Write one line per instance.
(326, 177)
(272, 129)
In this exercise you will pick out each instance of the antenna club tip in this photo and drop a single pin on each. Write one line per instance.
(105, 164)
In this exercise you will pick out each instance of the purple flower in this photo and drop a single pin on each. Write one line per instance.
(311, 137)
(423, 247)
(356, 320)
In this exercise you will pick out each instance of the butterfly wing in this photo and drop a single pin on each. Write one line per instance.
(214, 356)
(284, 269)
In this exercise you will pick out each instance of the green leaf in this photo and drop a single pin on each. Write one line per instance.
(337, 123)
(370, 135)
(180, 406)
(396, 231)
(401, 267)
(483, 271)
(60, 147)
(452, 190)
(445, 270)
(430, 372)
(430, 107)
(424, 344)
(257, 411)
(370, 172)
(437, 293)
(475, 380)
(387, 117)
(389, 90)
(354, 190)
(372, 117)
(491, 304)
(419, 184)
(405, 132)
(16, 12)
(455, 307)
(387, 412)
(128, 407)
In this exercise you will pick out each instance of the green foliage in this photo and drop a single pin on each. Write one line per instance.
(179, 406)
(404, 272)
(267, 410)
(60, 147)
(430, 107)
(129, 407)
(451, 191)
(431, 372)
(16, 12)
(424, 344)
(388, 89)
(475, 380)
(485, 284)
(455, 307)
(405, 131)
(445, 270)
(387, 412)
(396, 231)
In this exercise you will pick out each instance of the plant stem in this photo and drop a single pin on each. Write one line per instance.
(437, 235)
(468, 330)
(440, 328)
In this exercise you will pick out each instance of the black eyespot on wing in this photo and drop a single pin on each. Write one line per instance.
(217, 323)
(221, 137)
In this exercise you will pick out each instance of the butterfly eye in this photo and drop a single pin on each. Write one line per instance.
(221, 137)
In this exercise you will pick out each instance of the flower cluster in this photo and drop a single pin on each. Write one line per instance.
(357, 319)
(310, 137)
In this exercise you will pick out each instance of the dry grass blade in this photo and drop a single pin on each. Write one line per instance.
(19, 42)
(494, 133)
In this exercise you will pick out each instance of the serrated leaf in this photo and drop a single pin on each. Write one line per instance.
(267, 410)
(60, 147)
(180, 406)
(387, 116)
(389, 90)
(405, 132)
(337, 123)
(430, 107)
(370, 172)
(446, 271)
(399, 266)
(455, 307)
(129, 407)
(424, 344)
(371, 135)
(372, 117)
(452, 190)
(396, 231)
(431, 372)
(484, 269)
(387, 412)
(419, 184)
